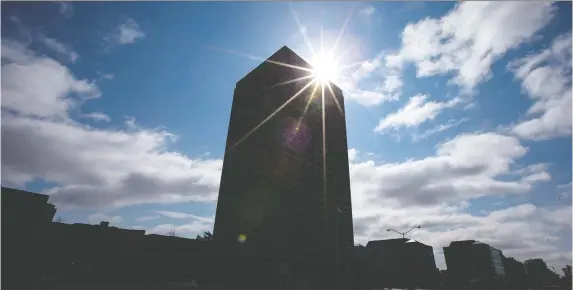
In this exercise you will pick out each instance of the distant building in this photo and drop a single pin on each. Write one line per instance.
(401, 263)
(515, 274)
(97, 250)
(112, 254)
(474, 264)
(360, 268)
(35, 248)
(26, 221)
(27, 213)
(538, 274)
(284, 193)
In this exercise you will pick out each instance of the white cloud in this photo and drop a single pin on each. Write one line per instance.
(63, 49)
(367, 11)
(466, 167)
(352, 154)
(66, 9)
(564, 190)
(146, 218)
(546, 78)
(366, 68)
(199, 224)
(182, 215)
(522, 231)
(189, 230)
(434, 192)
(463, 43)
(416, 112)
(103, 168)
(372, 83)
(128, 32)
(98, 117)
(107, 76)
(438, 129)
(40, 86)
(92, 167)
(101, 217)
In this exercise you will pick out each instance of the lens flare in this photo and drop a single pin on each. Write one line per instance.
(296, 135)
(242, 238)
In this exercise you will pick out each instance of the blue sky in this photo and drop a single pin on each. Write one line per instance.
(458, 115)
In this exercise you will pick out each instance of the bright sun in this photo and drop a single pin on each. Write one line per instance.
(325, 68)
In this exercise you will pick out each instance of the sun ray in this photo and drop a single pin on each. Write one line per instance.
(324, 159)
(288, 65)
(321, 39)
(273, 114)
(343, 54)
(351, 65)
(334, 98)
(301, 30)
(307, 105)
(340, 56)
(293, 80)
(335, 46)
(253, 57)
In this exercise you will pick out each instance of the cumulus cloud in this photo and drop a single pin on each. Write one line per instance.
(546, 78)
(522, 231)
(128, 32)
(371, 83)
(103, 168)
(463, 43)
(414, 113)
(466, 167)
(434, 192)
(38, 86)
(92, 167)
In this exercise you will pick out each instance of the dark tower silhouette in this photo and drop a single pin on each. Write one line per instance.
(280, 198)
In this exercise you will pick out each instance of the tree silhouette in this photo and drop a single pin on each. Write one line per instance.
(206, 237)
(171, 233)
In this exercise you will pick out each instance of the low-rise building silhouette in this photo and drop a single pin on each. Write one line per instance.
(474, 265)
(401, 263)
(36, 248)
(26, 221)
(539, 275)
(515, 274)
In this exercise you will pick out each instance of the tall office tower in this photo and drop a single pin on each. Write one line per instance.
(285, 189)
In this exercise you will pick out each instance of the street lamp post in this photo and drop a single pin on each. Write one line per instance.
(403, 234)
